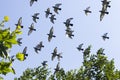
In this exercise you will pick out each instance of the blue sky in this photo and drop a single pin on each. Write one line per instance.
(88, 30)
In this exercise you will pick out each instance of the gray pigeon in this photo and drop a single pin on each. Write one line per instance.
(52, 18)
(56, 7)
(105, 36)
(19, 23)
(80, 47)
(35, 17)
(48, 12)
(54, 54)
(87, 10)
(50, 35)
(39, 47)
(31, 29)
(67, 23)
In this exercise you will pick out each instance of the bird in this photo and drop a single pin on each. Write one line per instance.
(19, 24)
(57, 69)
(50, 35)
(100, 51)
(59, 56)
(35, 17)
(52, 18)
(54, 54)
(67, 22)
(105, 36)
(24, 52)
(87, 10)
(39, 47)
(104, 11)
(47, 12)
(69, 33)
(44, 63)
(19, 41)
(31, 29)
(32, 1)
(80, 47)
(56, 7)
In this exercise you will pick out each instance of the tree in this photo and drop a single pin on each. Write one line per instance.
(95, 67)
(8, 38)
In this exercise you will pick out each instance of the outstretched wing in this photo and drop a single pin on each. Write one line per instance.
(57, 5)
(31, 2)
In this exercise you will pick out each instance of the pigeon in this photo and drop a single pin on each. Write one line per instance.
(38, 47)
(48, 12)
(24, 52)
(54, 54)
(44, 63)
(50, 35)
(19, 24)
(35, 17)
(31, 29)
(56, 7)
(32, 1)
(105, 36)
(57, 69)
(52, 18)
(19, 41)
(87, 10)
(80, 47)
(67, 23)
(104, 11)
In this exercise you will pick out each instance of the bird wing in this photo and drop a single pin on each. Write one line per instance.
(20, 21)
(55, 50)
(31, 2)
(51, 31)
(36, 14)
(88, 8)
(31, 29)
(57, 5)
(25, 50)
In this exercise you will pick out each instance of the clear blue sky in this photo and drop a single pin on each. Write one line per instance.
(88, 30)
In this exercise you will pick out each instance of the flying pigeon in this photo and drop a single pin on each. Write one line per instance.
(56, 7)
(48, 12)
(31, 29)
(35, 17)
(50, 35)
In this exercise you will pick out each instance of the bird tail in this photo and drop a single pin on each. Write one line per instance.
(59, 9)
(71, 24)
(54, 36)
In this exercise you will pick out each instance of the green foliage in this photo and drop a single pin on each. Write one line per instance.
(95, 67)
(39, 73)
(8, 38)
